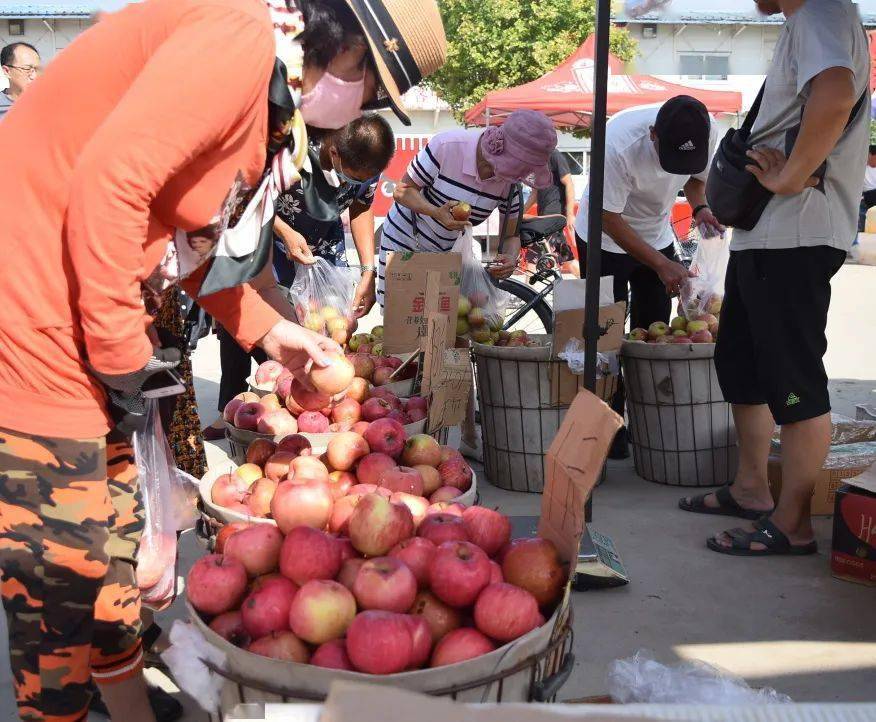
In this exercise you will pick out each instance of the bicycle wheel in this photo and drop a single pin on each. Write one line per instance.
(538, 318)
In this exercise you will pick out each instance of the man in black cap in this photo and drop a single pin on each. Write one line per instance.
(651, 153)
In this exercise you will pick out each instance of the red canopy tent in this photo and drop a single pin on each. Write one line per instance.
(565, 94)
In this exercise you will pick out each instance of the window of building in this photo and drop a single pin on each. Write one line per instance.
(576, 161)
(701, 66)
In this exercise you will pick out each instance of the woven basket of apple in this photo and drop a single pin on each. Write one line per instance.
(319, 412)
(450, 607)
(681, 429)
(522, 406)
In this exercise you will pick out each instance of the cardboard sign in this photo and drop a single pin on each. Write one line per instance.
(405, 315)
(572, 465)
(451, 392)
(570, 324)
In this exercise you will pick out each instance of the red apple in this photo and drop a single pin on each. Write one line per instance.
(295, 444)
(259, 498)
(440, 617)
(340, 483)
(215, 584)
(363, 366)
(266, 609)
(461, 211)
(229, 626)
(448, 453)
(421, 640)
(445, 507)
(417, 553)
(309, 554)
(385, 583)
(416, 415)
(284, 388)
(345, 449)
(248, 414)
(257, 547)
(277, 467)
(496, 576)
(417, 505)
(308, 467)
(456, 472)
(347, 411)
(225, 533)
(377, 525)
(308, 504)
(321, 611)
(460, 645)
(445, 494)
(386, 437)
(387, 395)
(230, 409)
(487, 528)
(358, 391)
(341, 512)
(349, 571)
(332, 655)
(380, 642)
(268, 372)
(335, 428)
(535, 565)
(372, 466)
(421, 449)
(348, 551)
(416, 402)
(360, 427)
(335, 377)
(228, 489)
(402, 478)
(382, 376)
(281, 645)
(399, 416)
(313, 422)
(305, 399)
(278, 423)
(440, 528)
(259, 451)
(505, 612)
(271, 402)
(459, 572)
(373, 409)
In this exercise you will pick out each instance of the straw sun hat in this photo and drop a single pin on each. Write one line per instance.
(407, 43)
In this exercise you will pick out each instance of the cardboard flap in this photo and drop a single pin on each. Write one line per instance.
(358, 702)
(572, 465)
(450, 394)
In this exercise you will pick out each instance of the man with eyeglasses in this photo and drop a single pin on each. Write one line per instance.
(21, 64)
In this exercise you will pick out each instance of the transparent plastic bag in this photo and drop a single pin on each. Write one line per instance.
(704, 293)
(642, 679)
(167, 496)
(482, 304)
(322, 295)
(607, 363)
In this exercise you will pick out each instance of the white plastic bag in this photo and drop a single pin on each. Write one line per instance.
(642, 679)
(167, 495)
(322, 295)
(606, 363)
(482, 304)
(185, 656)
(705, 293)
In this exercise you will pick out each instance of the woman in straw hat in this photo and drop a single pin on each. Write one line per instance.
(150, 153)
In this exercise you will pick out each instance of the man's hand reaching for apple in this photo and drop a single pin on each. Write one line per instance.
(294, 346)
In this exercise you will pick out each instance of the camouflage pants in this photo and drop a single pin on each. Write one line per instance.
(70, 520)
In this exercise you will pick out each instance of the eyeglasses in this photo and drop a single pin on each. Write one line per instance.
(27, 69)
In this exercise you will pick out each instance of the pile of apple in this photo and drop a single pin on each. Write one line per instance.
(292, 407)
(287, 482)
(332, 318)
(386, 597)
(692, 326)
(474, 321)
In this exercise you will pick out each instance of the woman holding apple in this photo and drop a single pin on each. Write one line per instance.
(194, 123)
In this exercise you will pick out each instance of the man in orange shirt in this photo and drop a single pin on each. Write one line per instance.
(105, 202)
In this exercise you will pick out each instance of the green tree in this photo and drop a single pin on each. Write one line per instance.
(495, 44)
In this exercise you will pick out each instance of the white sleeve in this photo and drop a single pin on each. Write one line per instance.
(713, 146)
(426, 165)
(617, 186)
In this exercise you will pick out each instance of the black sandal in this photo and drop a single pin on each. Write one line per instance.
(765, 532)
(727, 505)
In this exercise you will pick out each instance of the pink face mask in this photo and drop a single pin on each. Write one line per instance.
(333, 103)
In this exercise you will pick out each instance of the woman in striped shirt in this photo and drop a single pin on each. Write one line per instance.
(479, 167)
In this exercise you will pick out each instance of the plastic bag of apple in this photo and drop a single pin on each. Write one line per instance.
(292, 407)
(322, 295)
(388, 597)
(481, 307)
(693, 328)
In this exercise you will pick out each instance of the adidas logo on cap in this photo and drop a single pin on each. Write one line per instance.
(687, 146)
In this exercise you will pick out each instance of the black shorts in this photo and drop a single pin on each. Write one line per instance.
(772, 341)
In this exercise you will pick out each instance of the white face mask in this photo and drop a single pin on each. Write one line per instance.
(333, 103)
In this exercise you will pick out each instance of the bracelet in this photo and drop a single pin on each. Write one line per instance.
(365, 268)
(699, 208)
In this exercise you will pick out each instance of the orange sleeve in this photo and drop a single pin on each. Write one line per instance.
(200, 86)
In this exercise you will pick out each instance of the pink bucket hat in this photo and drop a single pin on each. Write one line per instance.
(521, 148)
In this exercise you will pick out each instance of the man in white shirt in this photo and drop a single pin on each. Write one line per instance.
(651, 153)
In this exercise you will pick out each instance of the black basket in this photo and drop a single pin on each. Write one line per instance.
(681, 429)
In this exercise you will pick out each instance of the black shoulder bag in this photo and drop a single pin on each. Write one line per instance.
(735, 196)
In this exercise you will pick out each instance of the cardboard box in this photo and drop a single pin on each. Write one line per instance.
(853, 550)
(405, 310)
(824, 494)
